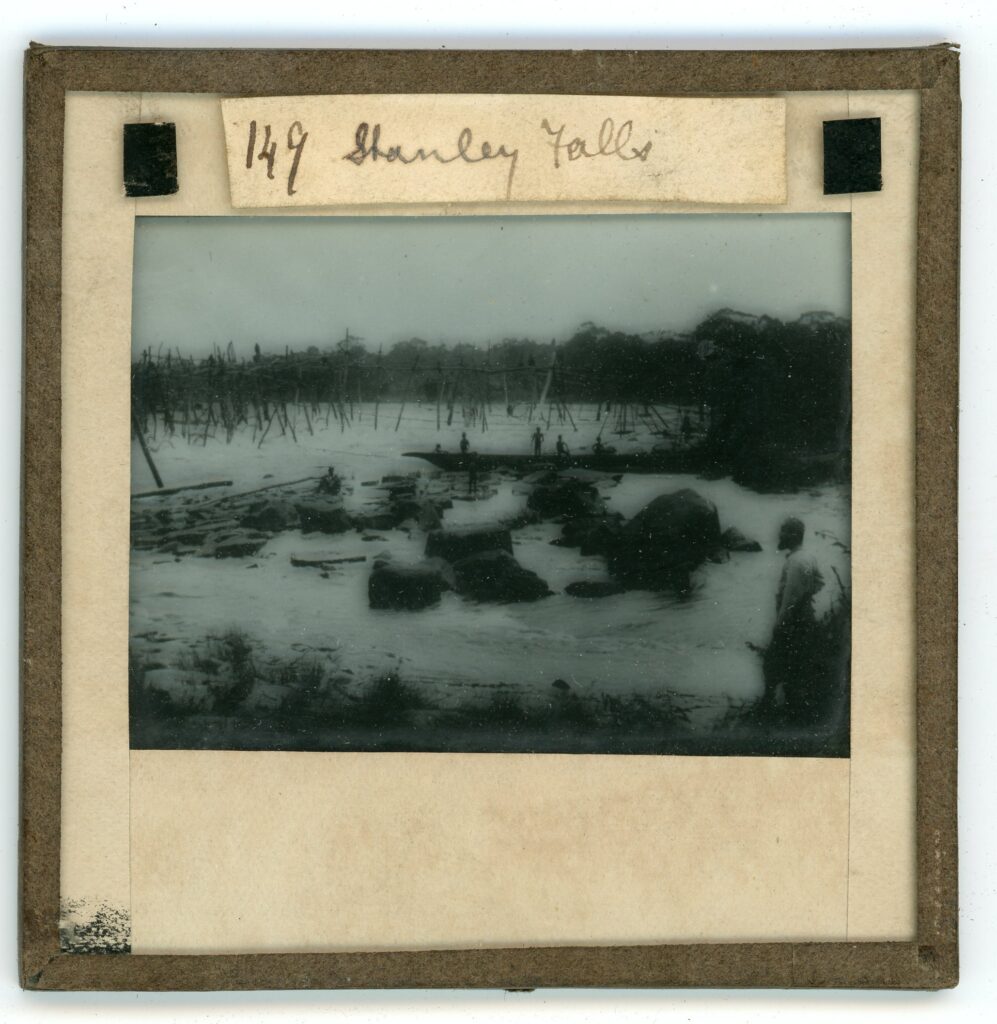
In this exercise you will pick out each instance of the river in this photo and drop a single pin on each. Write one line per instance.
(638, 642)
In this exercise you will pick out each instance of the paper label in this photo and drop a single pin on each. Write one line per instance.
(363, 150)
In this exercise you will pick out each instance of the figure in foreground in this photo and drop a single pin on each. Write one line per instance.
(789, 662)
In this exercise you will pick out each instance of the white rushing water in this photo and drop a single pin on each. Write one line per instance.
(633, 642)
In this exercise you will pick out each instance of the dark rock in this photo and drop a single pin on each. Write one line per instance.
(445, 569)
(594, 588)
(528, 517)
(404, 588)
(239, 544)
(594, 535)
(462, 542)
(733, 540)
(565, 497)
(324, 559)
(399, 487)
(666, 540)
(541, 476)
(196, 535)
(271, 514)
(497, 576)
(560, 684)
(387, 520)
(320, 515)
(429, 517)
(590, 476)
(425, 513)
(602, 540)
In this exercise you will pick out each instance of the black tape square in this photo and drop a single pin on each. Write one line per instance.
(852, 156)
(150, 165)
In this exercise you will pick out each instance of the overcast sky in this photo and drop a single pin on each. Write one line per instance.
(299, 281)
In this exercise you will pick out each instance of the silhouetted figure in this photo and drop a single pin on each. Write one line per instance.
(598, 448)
(330, 483)
(561, 448)
(538, 440)
(789, 663)
(686, 428)
(438, 449)
(465, 445)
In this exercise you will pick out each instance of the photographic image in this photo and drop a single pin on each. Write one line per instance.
(511, 484)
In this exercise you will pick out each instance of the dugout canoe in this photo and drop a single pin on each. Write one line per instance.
(684, 460)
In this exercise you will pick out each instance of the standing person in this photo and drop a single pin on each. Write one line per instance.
(789, 663)
(686, 428)
(561, 448)
(538, 440)
(464, 444)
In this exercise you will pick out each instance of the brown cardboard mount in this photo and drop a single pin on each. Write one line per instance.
(929, 961)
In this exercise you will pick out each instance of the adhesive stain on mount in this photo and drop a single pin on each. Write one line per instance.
(150, 160)
(852, 156)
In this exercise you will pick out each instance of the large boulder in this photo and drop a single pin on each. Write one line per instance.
(733, 540)
(594, 588)
(462, 542)
(404, 588)
(593, 535)
(271, 514)
(567, 497)
(497, 576)
(666, 540)
(525, 517)
(386, 519)
(322, 515)
(423, 513)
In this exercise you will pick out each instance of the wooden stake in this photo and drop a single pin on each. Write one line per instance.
(145, 450)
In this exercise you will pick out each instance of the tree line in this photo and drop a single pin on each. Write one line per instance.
(760, 380)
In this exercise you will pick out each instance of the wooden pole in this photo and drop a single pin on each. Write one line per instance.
(145, 450)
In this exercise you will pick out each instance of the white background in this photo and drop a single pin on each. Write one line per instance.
(578, 24)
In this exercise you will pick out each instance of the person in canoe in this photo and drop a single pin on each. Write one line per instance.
(561, 448)
(330, 483)
(538, 440)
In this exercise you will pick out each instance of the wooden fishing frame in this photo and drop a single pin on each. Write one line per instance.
(930, 960)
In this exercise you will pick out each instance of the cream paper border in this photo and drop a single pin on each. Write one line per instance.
(240, 851)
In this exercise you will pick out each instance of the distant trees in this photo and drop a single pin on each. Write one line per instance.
(772, 389)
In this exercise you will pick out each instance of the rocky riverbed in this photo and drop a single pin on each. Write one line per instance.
(554, 602)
